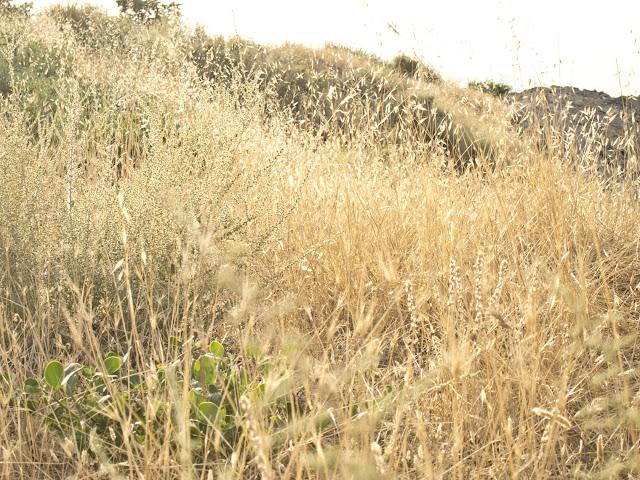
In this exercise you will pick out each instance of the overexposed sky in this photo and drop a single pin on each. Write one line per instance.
(590, 44)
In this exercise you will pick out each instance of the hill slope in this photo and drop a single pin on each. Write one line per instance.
(335, 92)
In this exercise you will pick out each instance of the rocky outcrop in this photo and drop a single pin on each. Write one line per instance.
(582, 122)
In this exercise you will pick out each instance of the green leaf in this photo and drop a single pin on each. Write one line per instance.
(206, 369)
(112, 364)
(175, 342)
(54, 373)
(98, 380)
(209, 410)
(217, 349)
(32, 406)
(216, 398)
(244, 378)
(135, 379)
(31, 386)
(195, 398)
(222, 416)
(138, 432)
(70, 380)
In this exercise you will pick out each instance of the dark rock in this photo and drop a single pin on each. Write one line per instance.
(582, 121)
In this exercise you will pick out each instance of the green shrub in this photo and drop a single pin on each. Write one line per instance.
(406, 65)
(32, 71)
(79, 401)
(494, 88)
(91, 26)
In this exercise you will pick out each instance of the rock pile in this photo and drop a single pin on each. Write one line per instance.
(584, 121)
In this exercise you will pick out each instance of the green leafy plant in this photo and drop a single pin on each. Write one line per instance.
(32, 72)
(78, 400)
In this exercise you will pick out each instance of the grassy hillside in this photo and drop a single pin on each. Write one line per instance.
(222, 260)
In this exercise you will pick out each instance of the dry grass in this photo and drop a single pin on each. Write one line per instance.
(429, 325)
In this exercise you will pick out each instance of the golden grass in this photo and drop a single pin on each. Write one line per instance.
(431, 325)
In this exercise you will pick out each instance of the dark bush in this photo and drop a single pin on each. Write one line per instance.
(494, 88)
(147, 11)
(406, 65)
(10, 7)
(91, 26)
(412, 67)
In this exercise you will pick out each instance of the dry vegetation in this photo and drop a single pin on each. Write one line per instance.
(382, 314)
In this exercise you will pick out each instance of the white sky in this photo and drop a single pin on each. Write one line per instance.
(584, 43)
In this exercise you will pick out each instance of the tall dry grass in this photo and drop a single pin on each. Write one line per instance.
(427, 324)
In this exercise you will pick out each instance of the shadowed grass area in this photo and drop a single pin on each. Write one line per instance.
(343, 93)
